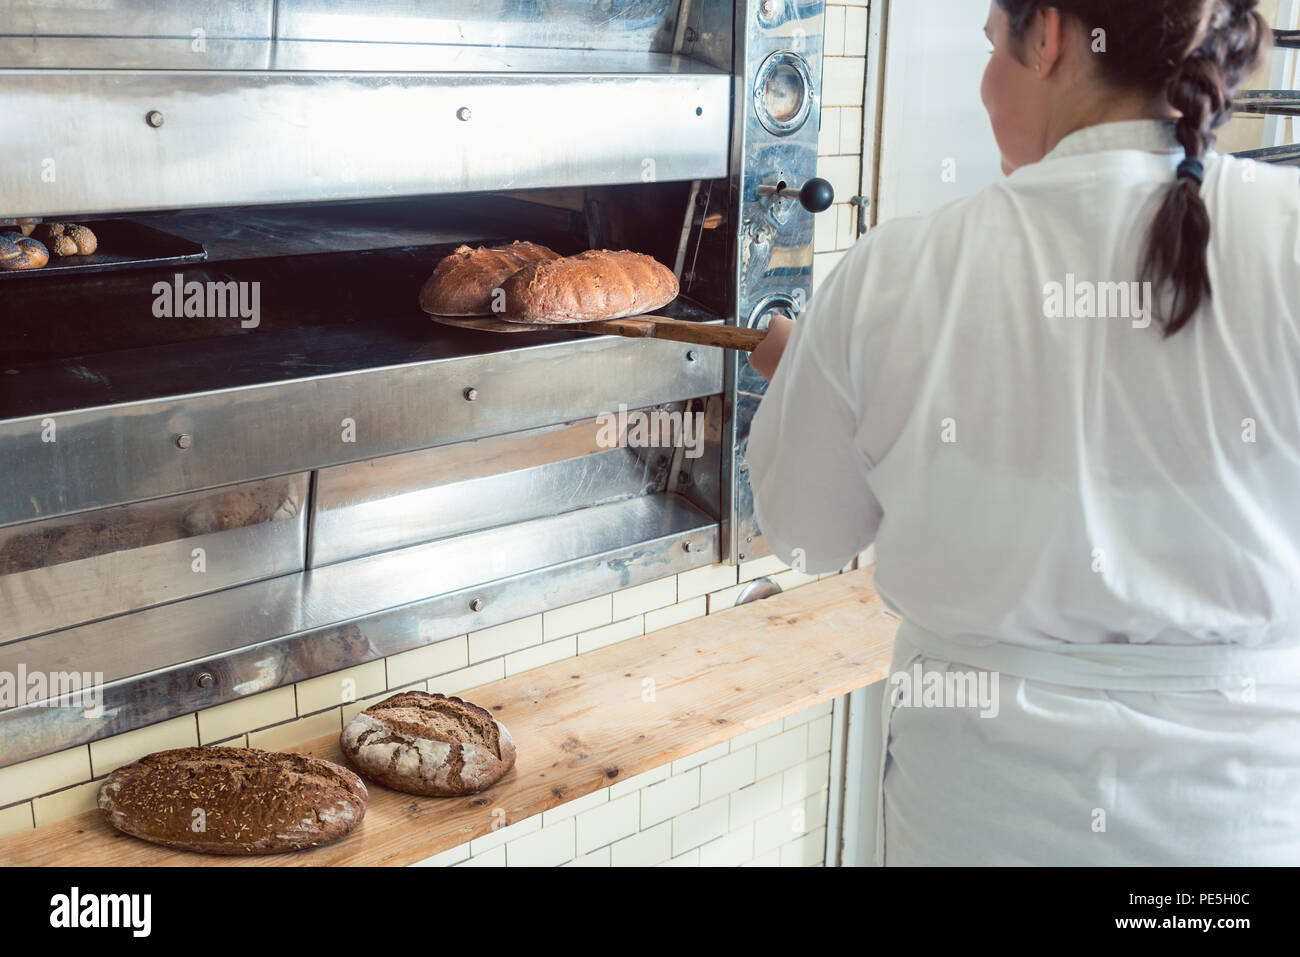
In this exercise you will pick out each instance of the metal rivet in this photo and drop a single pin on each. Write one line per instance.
(184, 441)
(205, 680)
(471, 394)
(476, 604)
(154, 119)
(689, 546)
(743, 556)
(692, 355)
(463, 114)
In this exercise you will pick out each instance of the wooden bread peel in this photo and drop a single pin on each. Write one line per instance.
(634, 327)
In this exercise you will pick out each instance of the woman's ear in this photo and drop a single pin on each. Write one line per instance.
(1047, 41)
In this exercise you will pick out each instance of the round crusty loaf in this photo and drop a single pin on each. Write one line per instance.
(597, 284)
(233, 800)
(425, 743)
(464, 283)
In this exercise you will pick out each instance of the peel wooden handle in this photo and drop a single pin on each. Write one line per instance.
(680, 330)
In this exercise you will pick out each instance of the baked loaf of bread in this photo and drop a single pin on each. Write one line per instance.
(21, 252)
(597, 284)
(464, 283)
(424, 743)
(67, 239)
(233, 800)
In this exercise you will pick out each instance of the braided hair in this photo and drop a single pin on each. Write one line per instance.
(1197, 53)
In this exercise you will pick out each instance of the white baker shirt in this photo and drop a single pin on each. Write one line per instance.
(1076, 503)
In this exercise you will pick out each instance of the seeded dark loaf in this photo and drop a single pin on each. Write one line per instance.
(597, 284)
(463, 283)
(429, 744)
(233, 800)
(21, 252)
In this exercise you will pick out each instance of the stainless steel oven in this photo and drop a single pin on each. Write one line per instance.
(225, 473)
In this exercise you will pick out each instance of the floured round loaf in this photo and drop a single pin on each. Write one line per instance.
(465, 283)
(425, 743)
(597, 284)
(233, 800)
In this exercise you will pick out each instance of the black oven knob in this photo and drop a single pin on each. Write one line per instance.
(817, 195)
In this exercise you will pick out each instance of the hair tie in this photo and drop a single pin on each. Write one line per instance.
(1192, 168)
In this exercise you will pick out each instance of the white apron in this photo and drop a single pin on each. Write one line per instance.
(1098, 755)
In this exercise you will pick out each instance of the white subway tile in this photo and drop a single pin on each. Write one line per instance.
(805, 779)
(495, 857)
(238, 741)
(676, 614)
(639, 781)
(780, 827)
(16, 819)
(823, 265)
(350, 711)
(597, 858)
(43, 775)
(828, 136)
(507, 832)
(435, 659)
(549, 847)
(843, 82)
(503, 639)
(742, 741)
(819, 735)
(342, 687)
(855, 32)
(639, 599)
(833, 38)
(722, 600)
(793, 579)
(646, 849)
(808, 715)
(814, 807)
(762, 567)
(783, 751)
(807, 851)
(446, 858)
(611, 634)
(246, 714)
(690, 859)
(678, 794)
(846, 231)
(701, 581)
(294, 733)
(580, 616)
(730, 850)
(65, 804)
(466, 679)
(770, 859)
(543, 654)
(568, 809)
(111, 753)
(843, 173)
(758, 800)
(608, 823)
(700, 826)
(699, 757)
(723, 775)
(851, 134)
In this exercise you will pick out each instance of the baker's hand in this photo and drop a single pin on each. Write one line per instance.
(768, 355)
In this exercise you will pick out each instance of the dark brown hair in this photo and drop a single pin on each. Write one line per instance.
(1195, 52)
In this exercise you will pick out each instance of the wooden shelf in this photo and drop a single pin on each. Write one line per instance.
(581, 724)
